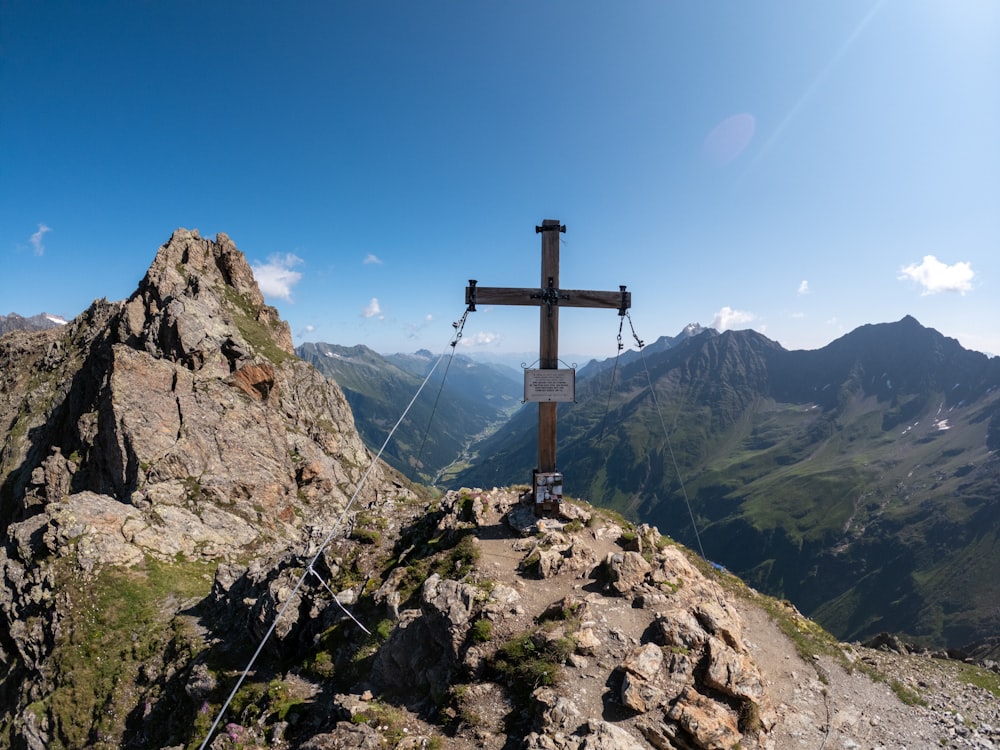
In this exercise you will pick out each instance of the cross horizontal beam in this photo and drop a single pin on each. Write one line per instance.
(499, 295)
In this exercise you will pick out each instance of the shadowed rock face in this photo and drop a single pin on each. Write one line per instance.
(177, 424)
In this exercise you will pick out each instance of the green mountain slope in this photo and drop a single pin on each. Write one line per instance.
(859, 480)
(441, 422)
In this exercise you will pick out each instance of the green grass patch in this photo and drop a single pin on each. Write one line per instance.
(530, 660)
(982, 678)
(907, 695)
(387, 719)
(481, 631)
(258, 335)
(114, 624)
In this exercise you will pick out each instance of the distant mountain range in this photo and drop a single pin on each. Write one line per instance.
(860, 480)
(15, 322)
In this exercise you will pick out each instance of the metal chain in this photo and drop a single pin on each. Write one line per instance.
(634, 334)
(458, 326)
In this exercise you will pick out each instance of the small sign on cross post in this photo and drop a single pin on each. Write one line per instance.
(546, 481)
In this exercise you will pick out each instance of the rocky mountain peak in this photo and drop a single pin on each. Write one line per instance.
(174, 427)
(200, 305)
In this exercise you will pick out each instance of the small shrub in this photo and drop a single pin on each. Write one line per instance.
(481, 631)
(463, 556)
(529, 565)
(366, 536)
(320, 665)
(282, 702)
(465, 507)
(749, 720)
(367, 528)
(528, 661)
(383, 629)
(563, 610)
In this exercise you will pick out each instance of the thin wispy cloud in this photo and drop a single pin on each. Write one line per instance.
(373, 310)
(728, 318)
(416, 328)
(276, 277)
(37, 244)
(803, 287)
(935, 276)
(481, 338)
(372, 259)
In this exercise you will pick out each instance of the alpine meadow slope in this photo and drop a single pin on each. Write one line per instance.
(861, 480)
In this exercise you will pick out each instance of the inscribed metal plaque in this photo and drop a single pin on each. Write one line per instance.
(550, 385)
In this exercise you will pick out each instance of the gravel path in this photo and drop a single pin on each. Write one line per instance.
(823, 705)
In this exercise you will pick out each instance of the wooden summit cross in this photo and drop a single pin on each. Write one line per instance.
(546, 482)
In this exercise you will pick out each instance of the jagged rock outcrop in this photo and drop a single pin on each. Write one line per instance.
(174, 426)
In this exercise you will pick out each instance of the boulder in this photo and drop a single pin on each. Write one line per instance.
(704, 723)
(626, 571)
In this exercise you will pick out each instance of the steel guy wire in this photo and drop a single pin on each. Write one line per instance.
(614, 371)
(322, 548)
(458, 325)
(666, 437)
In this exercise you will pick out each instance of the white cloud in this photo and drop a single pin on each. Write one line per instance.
(371, 258)
(728, 318)
(481, 338)
(804, 287)
(36, 239)
(276, 277)
(428, 317)
(373, 310)
(935, 276)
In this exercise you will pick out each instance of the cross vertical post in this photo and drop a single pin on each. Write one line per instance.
(548, 344)
(549, 298)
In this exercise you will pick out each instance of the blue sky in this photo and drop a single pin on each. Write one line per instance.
(797, 168)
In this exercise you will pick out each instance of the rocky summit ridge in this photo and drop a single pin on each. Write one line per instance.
(172, 478)
(176, 426)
